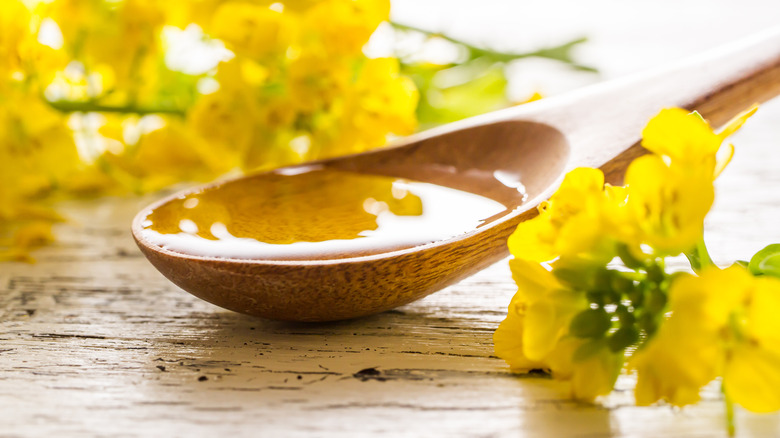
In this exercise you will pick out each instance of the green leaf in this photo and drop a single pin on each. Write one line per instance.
(766, 261)
(562, 52)
(474, 83)
(458, 92)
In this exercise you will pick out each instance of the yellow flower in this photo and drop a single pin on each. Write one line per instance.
(14, 29)
(722, 323)
(226, 119)
(344, 26)
(535, 334)
(508, 340)
(549, 306)
(276, 147)
(298, 88)
(253, 30)
(172, 154)
(21, 55)
(686, 139)
(685, 354)
(37, 146)
(199, 12)
(139, 21)
(673, 368)
(752, 370)
(316, 80)
(595, 374)
(378, 103)
(539, 316)
(671, 191)
(668, 204)
(383, 100)
(26, 236)
(120, 38)
(576, 221)
(682, 136)
(76, 16)
(37, 154)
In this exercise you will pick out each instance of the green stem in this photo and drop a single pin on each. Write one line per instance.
(560, 53)
(89, 107)
(704, 255)
(699, 257)
(730, 427)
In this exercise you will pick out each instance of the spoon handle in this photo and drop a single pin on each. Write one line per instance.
(603, 123)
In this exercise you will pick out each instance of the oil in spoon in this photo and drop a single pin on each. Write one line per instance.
(314, 213)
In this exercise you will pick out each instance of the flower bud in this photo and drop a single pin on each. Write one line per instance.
(590, 323)
(622, 338)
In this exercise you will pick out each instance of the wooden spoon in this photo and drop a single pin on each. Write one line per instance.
(597, 127)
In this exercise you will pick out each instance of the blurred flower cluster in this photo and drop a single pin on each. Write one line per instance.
(109, 96)
(595, 296)
(294, 85)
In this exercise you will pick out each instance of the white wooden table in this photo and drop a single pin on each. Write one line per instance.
(94, 342)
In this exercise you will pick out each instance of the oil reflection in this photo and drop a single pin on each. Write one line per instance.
(316, 212)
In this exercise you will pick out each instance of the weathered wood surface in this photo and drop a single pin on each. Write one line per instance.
(94, 342)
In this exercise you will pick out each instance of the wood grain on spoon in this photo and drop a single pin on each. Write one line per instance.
(596, 127)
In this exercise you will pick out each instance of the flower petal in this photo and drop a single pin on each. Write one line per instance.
(752, 378)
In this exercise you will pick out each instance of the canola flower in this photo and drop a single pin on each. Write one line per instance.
(595, 299)
(294, 85)
(723, 323)
(91, 102)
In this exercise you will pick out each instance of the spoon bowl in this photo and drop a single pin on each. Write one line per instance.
(514, 157)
